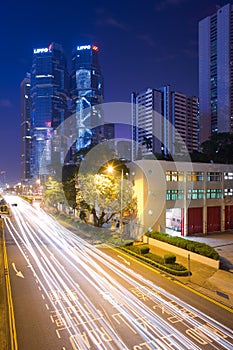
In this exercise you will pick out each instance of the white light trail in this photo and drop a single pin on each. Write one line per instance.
(86, 289)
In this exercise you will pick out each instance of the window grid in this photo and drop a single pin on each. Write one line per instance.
(213, 193)
(172, 195)
(214, 176)
(195, 194)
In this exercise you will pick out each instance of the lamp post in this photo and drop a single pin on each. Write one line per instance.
(110, 170)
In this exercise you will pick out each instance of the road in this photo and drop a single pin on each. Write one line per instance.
(70, 295)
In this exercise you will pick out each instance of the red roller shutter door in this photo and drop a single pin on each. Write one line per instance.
(213, 219)
(228, 217)
(195, 220)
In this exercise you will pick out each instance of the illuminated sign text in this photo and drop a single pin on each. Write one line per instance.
(84, 47)
(41, 50)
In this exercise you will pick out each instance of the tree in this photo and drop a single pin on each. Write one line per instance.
(147, 142)
(104, 196)
(219, 148)
(54, 193)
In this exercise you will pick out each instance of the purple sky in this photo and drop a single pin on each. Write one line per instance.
(139, 47)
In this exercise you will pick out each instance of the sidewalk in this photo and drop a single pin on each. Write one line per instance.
(217, 284)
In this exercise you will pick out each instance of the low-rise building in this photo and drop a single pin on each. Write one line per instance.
(183, 198)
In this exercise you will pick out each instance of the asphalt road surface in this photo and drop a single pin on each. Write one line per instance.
(70, 295)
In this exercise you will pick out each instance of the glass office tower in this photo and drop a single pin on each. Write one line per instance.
(49, 101)
(87, 94)
(25, 128)
(216, 72)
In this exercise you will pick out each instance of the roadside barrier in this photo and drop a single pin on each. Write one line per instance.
(11, 317)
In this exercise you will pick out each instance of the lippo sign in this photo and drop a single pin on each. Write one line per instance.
(45, 49)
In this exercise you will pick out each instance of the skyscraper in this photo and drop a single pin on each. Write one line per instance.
(87, 93)
(25, 128)
(164, 122)
(216, 72)
(49, 96)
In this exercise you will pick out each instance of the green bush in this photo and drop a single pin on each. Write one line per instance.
(169, 259)
(196, 247)
(158, 262)
(139, 249)
(153, 257)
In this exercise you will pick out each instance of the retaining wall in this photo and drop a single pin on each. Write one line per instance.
(182, 252)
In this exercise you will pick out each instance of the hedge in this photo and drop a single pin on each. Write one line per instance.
(157, 261)
(195, 247)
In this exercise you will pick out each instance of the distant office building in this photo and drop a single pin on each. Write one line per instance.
(163, 121)
(25, 130)
(216, 72)
(87, 94)
(49, 97)
(185, 112)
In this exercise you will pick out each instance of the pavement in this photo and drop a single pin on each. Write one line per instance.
(214, 283)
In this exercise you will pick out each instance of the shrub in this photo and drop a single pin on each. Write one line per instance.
(196, 247)
(169, 259)
(153, 257)
(158, 262)
(139, 249)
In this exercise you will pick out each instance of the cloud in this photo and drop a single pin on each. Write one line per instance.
(147, 39)
(164, 4)
(117, 24)
(113, 22)
(4, 102)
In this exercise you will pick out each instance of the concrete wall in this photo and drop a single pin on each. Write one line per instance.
(182, 252)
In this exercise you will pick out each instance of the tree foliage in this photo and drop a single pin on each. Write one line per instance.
(54, 193)
(104, 196)
(219, 148)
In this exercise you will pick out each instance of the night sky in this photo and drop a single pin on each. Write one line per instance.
(141, 44)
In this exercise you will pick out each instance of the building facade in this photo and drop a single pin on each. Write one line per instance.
(87, 94)
(49, 102)
(163, 122)
(216, 72)
(183, 198)
(185, 111)
(25, 129)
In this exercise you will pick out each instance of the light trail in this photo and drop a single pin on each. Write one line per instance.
(95, 306)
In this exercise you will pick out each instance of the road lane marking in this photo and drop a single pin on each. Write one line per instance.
(125, 261)
(18, 273)
(12, 326)
(228, 308)
(204, 296)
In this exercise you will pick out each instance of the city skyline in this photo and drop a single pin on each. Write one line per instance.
(139, 48)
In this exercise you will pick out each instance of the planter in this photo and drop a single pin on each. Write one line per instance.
(182, 252)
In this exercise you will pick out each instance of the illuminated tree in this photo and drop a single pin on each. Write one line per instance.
(104, 196)
(54, 193)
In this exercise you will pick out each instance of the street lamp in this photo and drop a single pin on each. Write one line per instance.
(110, 170)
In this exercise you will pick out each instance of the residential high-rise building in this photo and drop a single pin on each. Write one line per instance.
(25, 129)
(49, 96)
(216, 72)
(164, 121)
(87, 94)
(147, 122)
(185, 111)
